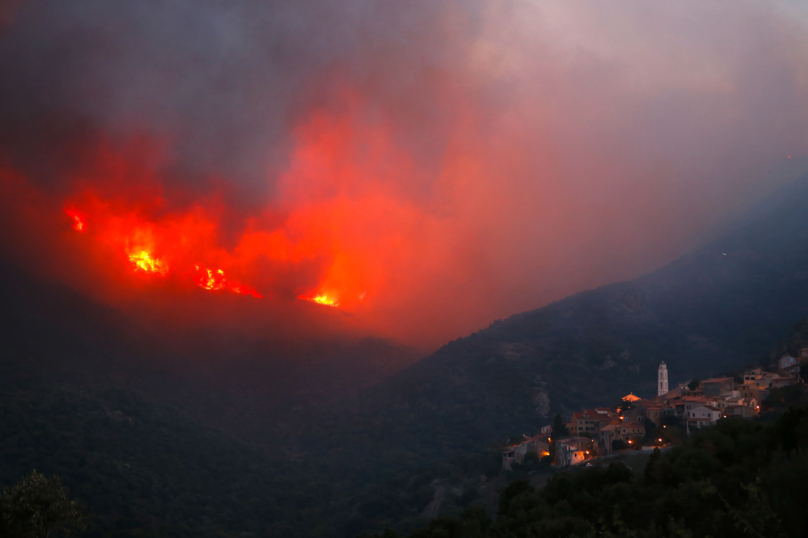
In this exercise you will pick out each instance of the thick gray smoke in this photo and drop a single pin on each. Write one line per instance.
(223, 84)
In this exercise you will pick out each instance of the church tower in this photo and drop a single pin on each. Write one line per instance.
(662, 378)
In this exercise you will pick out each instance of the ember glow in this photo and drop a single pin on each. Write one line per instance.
(144, 261)
(214, 279)
(321, 299)
(78, 222)
(179, 237)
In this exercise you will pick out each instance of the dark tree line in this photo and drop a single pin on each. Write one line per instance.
(38, 507)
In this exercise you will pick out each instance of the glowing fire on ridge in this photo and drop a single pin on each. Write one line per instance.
(210, 279)
(321, 299)
(78, 221)
(145, 262)
(278, 249)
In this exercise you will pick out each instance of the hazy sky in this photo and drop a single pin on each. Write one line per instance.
(432, 165)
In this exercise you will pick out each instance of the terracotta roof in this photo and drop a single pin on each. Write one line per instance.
(631, 398)
(701, 399)
(596, 415)
(575, 441)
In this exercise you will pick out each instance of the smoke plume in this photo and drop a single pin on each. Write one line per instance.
(425, 166)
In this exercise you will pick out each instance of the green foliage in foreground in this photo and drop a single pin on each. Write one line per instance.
(38, 507)
(739, 478)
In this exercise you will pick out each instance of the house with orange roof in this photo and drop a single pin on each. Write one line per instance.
(685, 404)
(780, 381)
(742, 411)
(703, 415)
(787, 361)
(573, 450)
(538, 444)
(717, 386)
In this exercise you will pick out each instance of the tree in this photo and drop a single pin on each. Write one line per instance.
(653, 461)
(693, 385)
(38, 507)
(650, 428)
(560, 429)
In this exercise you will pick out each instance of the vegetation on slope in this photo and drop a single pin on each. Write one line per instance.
(740, 477)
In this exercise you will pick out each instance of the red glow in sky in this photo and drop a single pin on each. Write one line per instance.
(159, 247)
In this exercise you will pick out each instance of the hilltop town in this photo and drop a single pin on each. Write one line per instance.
(637, 423)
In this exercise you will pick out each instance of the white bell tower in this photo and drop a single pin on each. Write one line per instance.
(662, 379)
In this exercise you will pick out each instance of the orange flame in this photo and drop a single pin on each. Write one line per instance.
(309, 232)
(145, 262)
(320, 299)
(124, 227)
(214, 280)
(78, 220)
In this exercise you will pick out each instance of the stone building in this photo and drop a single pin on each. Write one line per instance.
(662, 379)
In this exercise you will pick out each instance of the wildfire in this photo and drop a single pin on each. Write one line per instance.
(214, 279)
(117, 232)
(185, 241)
(210, 280)
(78, 221)
(321, 299)
(145, 262)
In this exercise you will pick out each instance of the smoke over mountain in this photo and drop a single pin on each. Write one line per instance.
(426, 166)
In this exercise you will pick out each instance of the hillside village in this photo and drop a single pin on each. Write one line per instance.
(637, 423)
